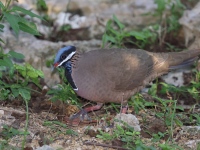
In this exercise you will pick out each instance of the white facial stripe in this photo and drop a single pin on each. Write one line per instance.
(67, 58)
(76, 89)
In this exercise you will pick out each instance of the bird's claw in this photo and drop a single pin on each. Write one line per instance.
(80, 116)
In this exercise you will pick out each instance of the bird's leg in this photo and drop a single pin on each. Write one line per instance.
(93, 108)
(82, 113)
(124, 109)
(124, 105)
(76, 118)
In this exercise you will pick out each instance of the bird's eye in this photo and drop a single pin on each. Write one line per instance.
(63, 57)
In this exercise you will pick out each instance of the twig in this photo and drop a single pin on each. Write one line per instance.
(104, 145)
(10, 109)
(100, 22)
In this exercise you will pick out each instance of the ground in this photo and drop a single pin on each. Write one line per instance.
(47, 125)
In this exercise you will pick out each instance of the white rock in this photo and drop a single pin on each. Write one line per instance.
(191, 128)
(130, 119)
(175, 78)
(65, 18)
(148, 5)
(191, 25)
(45, 88)
(192, 144)
(45, 147)
(1, 113)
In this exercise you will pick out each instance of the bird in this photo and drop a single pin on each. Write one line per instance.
(116, 74)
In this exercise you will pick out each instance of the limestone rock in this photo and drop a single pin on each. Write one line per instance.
(130, 119)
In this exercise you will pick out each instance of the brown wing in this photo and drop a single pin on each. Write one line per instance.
(132, 68)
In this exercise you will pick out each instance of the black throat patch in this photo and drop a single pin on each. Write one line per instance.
(68, 74)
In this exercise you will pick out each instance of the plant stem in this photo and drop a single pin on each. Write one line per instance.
(1, 17)
(172, 120)
(26, 125)
(7, 4)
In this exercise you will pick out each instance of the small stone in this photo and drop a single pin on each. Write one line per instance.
(45, 147)
(191, 130)
(1, 113)
(193, 144)
(130, 119)
(107, 129)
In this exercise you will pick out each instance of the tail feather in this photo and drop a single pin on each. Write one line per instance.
(184, 64)
(176, 59)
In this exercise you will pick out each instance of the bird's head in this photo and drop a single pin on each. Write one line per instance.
(63, 55)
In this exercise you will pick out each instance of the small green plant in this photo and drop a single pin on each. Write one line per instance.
(198, 146)
(65, 93)
(167, 146)
(66, 27)
(9, 132)
(71, 132)
(114, 106)
(127, 135)
(167, 111)
(42, 9)
(157, 137)
(196, 117)
(191, 90)
(50, 123)
(4, 146)
(169, 13)
(55, 124)
(115, 35)
(139, 103)
(173, 48)
(168, 114)
(41, 6)
(132, 140)
(17, 23)
(15, 78)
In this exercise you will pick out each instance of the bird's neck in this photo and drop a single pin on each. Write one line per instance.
(68, 74)
(69, 65)
(75, 58)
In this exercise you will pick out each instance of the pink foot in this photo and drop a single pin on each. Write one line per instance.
(82, 115)
(124, 109)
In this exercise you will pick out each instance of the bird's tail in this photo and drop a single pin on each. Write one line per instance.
(184, 64)
(177, 60)
(181, 59)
